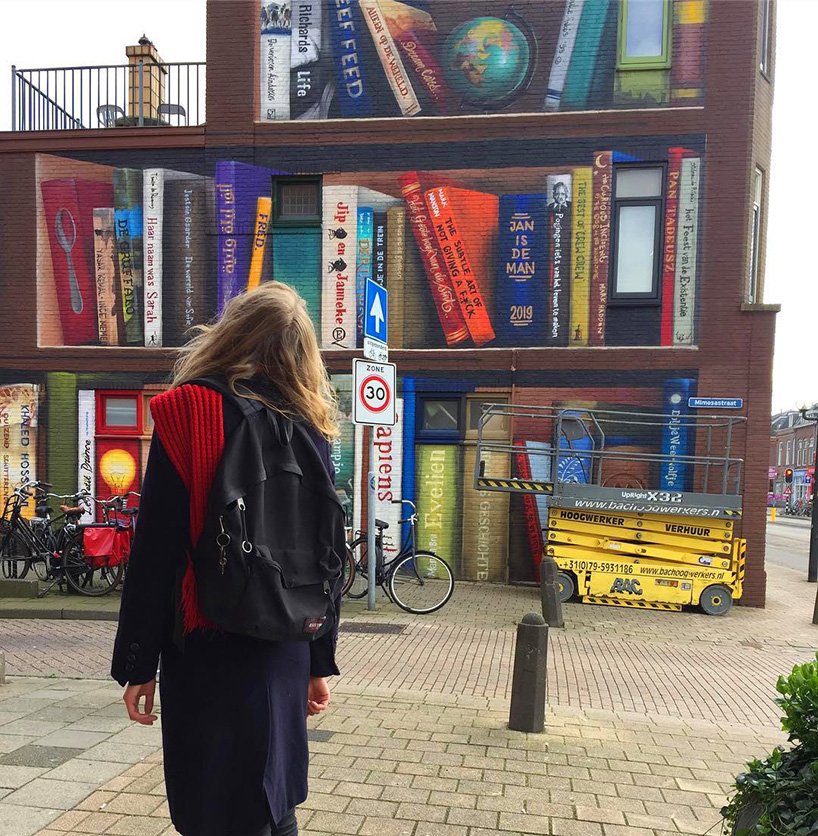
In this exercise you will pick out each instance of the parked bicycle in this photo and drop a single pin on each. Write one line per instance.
(417, 580)
(62, 551)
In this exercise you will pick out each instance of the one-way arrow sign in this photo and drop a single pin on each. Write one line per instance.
(375, 321)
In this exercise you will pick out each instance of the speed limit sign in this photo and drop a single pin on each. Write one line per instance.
(374, 390)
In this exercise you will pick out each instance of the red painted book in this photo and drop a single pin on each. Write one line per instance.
(600, 244)
(674, 167)
(532, 516)
(448, 310)
(446, 206)
(68, 205)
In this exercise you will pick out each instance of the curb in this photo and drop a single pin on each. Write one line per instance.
(59, 614)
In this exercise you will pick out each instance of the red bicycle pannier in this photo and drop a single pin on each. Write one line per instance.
(105, 545)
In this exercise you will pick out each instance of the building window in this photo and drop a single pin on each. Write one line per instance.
(496, 426)
(638, 206)
(755, 236)
(644, 35)
(789, 459)
(780, 452)
(297, 200)
(119, 413)
(439, 417)
(798, 455)
(766, 23)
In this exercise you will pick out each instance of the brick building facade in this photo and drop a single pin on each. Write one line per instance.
(792, 447)
(605, 171)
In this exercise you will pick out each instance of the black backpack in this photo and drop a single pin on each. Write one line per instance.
(268, 561)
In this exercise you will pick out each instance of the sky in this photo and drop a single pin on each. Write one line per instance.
(96, 32)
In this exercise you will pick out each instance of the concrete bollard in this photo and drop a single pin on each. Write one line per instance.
(550, 592)
(527, 713)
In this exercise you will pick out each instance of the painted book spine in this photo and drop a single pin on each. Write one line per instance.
(426, 69)
(522, 270)
(530, 512)
(448, 230)
(347, 34)
(438, 488)
(600, 244)
(485, 521)
(187, 298)
(306, 67)
(387, 467)
(86, 441)
(674, 170)
(559, 186)
(105, 274)
(689, 20)
(128, 226)
(229, 252)
(409, 429)
(153, 189)
(448, 309)
(275, 61)
(363, 266)
(577, 90)
(339, 254)
(296, 258)
(581, 222)
(73, 278)
(380, 248)
(677, 435)
(390, 58)
(562, 55)
(684, 296)
(395, 274)
(264, 208)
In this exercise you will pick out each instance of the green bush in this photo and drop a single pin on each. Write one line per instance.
(784, 786)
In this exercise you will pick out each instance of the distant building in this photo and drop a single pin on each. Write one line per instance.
(792, 445)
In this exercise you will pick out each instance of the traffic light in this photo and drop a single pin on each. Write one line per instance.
(788, 475)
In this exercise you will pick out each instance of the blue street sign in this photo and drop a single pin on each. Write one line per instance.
(375, 308)
(715, 403)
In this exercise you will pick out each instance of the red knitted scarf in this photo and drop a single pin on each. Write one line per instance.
(190, 425)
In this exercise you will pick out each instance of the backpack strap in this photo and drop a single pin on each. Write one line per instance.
(280, 425)
(248, 406)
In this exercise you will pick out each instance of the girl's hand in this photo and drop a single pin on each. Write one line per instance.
(133, 694)
(317, 696)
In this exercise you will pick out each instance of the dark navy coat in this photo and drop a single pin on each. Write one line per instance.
(233, 707)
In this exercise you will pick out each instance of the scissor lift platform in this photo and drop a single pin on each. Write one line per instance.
(664, 542)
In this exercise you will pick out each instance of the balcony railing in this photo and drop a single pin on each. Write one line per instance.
(142, 94)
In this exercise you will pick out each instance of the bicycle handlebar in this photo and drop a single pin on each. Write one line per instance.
(405, 502)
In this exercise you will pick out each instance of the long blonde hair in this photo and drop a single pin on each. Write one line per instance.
(266, 331)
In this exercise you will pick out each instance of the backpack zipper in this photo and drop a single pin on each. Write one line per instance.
(246, 545)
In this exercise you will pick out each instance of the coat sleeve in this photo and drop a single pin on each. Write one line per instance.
(322, 651)
(147, 611)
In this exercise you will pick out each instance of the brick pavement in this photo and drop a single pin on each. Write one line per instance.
(392, 762)
(679, 664)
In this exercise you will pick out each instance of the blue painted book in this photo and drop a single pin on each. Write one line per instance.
(238, 188)
(363, 265)
(522, 272)
(678, 435)
(349, 38)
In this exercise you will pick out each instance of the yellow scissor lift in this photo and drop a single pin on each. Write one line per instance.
(629, 519)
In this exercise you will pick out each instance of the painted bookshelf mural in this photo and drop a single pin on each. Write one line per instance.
(428, 457)
(600, 252)
(352, 59)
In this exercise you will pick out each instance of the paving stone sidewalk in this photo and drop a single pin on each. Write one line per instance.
(384, 763)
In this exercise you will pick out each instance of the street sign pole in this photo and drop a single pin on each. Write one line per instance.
(812, 564)
(371, 557)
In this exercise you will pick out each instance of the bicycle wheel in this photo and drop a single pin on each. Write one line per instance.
(85, 578)
(360, 579)
(349, 570)
(15, 556)
(421, 583)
